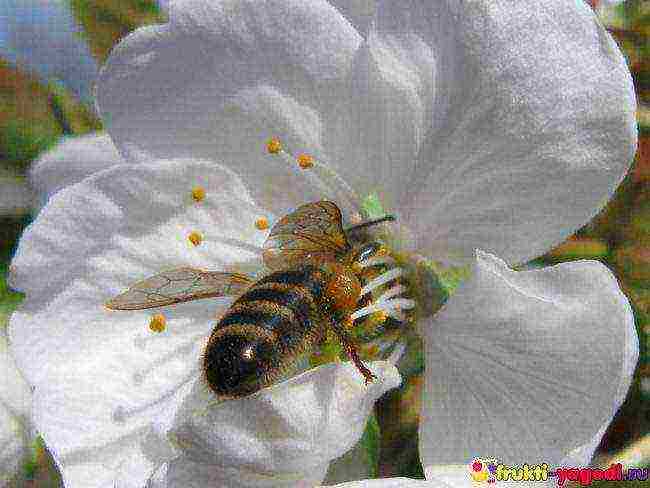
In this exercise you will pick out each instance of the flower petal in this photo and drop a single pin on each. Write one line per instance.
(70, 161)
(359, 13)
(43, 36)
(290, 431)
(391, 483)
(526, 366)
(15, 409)
(257, 70)
(532, 124)
(376, 131)
(102, 375)
(185, 473)
(458, 476)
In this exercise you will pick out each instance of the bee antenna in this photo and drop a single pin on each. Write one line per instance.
(363, 225)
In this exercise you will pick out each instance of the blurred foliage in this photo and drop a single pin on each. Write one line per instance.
(9, 299)
(105, 22)
(33, 117)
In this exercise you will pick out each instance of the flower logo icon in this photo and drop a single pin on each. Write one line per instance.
(483, 470)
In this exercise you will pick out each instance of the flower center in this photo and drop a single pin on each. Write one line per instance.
(384, 309)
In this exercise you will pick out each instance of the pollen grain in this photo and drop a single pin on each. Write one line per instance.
(274, 146)
(195, 238)
(158, 323)
(262, 223)
(305, 161)
(198, 193)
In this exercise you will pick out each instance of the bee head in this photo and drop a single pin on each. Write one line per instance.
(236, 365)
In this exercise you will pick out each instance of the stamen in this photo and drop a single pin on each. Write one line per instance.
(143, 341)
(326, 180)
(378, 317)
(377, 261)
(370, 350)
(367, 310)
(397, 353)
(121, 414)
(184, 348)
(195, 238)
(158, 323)
(393, 292)
(274, 146)
(198, 193)
(262, 223)
(399, 304)
(394, 308)
(381, 280)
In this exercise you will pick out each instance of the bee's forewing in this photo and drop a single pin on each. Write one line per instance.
(312, 230)
(179, 285)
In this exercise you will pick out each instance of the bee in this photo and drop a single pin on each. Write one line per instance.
(314, 286)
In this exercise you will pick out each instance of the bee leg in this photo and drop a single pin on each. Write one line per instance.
(351, 349)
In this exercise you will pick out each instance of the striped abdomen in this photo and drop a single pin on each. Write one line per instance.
(263, 331)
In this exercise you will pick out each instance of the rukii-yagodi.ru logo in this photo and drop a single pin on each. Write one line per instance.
(490, 470)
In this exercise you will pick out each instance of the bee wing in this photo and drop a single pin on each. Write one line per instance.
(312, 230)
(179, 285)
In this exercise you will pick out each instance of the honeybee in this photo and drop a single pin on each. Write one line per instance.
(314, 286)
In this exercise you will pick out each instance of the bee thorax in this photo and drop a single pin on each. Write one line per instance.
(343, 290)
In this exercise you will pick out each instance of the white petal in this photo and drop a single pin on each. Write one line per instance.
(185, 473)
(392, 483)
(531, 128)
(458, 476)
(43, 36)
(257, 70)
(525, 366)
(291, 430)
(375, 132)
(359, 13)
(70, 161)
(101, 376)
(15, 408)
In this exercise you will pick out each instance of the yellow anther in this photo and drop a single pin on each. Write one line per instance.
(198, 193)
(158, 323)
(349, 323)
(370, 351)
(195, 238)
(274, 146)
(305, 161)
(381, 252)
(262, 223)
(378, 317)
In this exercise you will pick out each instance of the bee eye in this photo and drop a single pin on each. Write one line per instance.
(235, 365)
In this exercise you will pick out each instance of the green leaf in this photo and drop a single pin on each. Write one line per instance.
(23, 140)
(9, 300)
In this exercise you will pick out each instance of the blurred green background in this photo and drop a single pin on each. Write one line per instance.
(36, 111)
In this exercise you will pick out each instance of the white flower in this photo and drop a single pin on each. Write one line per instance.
(498, 125)
(69, 162)
(16, 432)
